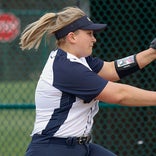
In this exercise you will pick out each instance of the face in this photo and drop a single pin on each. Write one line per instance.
(84, 42)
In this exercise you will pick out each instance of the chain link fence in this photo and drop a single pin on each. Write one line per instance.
(126, 131)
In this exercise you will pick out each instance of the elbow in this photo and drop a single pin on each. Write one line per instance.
(117, 99)
(115, 93)
(111, 98)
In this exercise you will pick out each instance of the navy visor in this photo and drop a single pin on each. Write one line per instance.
(83, 23)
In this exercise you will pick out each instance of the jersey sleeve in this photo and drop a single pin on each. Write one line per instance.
(95, 63)
(75, 78)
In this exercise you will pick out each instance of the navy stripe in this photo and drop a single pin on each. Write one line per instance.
(60, 114)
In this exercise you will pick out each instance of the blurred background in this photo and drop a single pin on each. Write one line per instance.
(127, 131)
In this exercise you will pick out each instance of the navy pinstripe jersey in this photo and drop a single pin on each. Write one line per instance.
(65, 95)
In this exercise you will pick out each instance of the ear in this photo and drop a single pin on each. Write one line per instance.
(71, 37)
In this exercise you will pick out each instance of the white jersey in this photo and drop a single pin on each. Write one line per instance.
(65, 95)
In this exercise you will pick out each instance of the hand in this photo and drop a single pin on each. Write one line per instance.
(153, 44)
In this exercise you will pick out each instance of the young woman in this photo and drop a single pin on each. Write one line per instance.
(73, 82)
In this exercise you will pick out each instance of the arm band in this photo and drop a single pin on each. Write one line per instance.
(126, 66)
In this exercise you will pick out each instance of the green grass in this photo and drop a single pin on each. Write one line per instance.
(17, 92)
(16, 124)
(15, 128)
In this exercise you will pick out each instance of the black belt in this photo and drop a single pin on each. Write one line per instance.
(39, 138)
(83, 140)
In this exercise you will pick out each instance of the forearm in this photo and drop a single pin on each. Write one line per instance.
(146, 57)
(133, 63)
(127, 95)
(115, 70)
(132, 96)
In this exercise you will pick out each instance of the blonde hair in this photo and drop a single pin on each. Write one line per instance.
(47, 25)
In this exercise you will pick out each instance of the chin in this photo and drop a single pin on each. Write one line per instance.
(90, 52)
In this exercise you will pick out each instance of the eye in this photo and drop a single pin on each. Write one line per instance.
(90, 33)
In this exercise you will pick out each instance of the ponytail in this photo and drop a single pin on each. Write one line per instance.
(33, 33)
(47, 25)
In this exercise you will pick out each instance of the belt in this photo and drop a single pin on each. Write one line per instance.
(83, 140)
(39, 138)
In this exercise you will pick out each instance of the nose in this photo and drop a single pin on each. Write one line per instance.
(93, 38)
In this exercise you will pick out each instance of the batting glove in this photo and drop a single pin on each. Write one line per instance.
(153, 44)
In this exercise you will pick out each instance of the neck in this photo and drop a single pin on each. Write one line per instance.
(69, 50)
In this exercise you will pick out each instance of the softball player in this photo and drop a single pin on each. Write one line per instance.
(73, 82)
